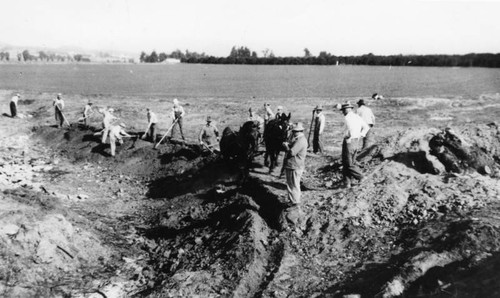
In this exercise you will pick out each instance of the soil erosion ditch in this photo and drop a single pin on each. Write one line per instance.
(175, 222)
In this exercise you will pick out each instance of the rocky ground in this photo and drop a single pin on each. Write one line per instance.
(175, 222)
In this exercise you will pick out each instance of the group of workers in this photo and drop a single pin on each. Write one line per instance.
(357, 135)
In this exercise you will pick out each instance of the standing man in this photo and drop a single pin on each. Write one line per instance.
(58, 108)
(294, 164)
(151, 130)
(13, 105)
(355, 128)
(268, 114)
(108, 117)
(177, 115)
(87, 111)
(319, 127)
(116, 132)
(209, 134)
(367, 115)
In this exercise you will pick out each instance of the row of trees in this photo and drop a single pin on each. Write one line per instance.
(243, 55)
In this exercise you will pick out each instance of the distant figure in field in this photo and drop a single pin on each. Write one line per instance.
(268, 114)
(108, 117)
(13, 105)
(177, 116)
(151, 129)
(254, 117)
(87, 111)
(355, 128)
(319, 127)
(280, 115)
(116, 132)
(209, 134)
(377, 96)
(367, 115)
(58, 104)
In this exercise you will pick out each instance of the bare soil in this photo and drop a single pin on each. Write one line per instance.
(176, 222)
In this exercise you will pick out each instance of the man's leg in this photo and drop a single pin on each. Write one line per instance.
(13, 109)
(320, 144)
(354, 171)
(315, 142)
(180, 128)
(112, 142)
(152, 129)
(105, 134)
(293, 185)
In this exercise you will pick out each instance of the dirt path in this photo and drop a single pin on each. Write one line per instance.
(174, 222)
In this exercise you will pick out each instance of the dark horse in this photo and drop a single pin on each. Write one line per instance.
(275, 133)
(241, 146)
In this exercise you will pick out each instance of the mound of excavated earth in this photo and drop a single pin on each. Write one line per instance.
(176, 222)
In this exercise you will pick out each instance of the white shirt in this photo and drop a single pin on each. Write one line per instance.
(179, 110)
(269, 113)
(321, 119)
(152, 118)
(59, 103)
(355, 126)
(108, 117)
(14, 99)
(367, 114)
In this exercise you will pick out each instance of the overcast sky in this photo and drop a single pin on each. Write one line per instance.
(340, 27)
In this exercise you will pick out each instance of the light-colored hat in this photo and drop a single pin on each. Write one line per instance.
(319, 107)
(298, 127)
(346, 106)
(123, 125)
(176, 101)
(209, 119)
(111, 110)
(59, 94)
(361, 102)
(279, 108)
(18, 95)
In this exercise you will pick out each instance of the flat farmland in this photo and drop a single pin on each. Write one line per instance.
(246, 81)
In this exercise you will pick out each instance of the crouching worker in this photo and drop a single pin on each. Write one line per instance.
(209, 134)
(151, 130)
(116, 132)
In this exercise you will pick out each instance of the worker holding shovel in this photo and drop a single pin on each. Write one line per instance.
(116, 134)
(58, 104)
(209, 135)
(151, 130)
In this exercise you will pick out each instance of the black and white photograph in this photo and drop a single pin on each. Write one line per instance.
(227, 148)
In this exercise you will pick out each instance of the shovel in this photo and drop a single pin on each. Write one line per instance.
(165, 135)
(64, 118)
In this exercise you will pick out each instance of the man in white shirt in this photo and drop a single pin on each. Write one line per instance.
(106, 122)
(116, 132)
(367, 115)
(13, 105)
(151, 129)
(58, 104)
(355, 128)
(319, 127)
(177, 115)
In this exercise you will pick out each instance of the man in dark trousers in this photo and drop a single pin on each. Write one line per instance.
(209, 134)
(58, 108)
(367, 115)
(151, 129)
(13, 105)
(355, 129)
(177, 118)
(319, 127)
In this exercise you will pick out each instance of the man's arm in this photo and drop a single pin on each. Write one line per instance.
(364, 127)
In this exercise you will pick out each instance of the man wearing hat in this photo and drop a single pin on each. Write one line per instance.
(116, 132)
(269, 114)
(319, 126)
(58, 104)
(13, 105)
(177, 116)
(294, 164)
(209, 134)
(151, 129)
(367, 115)
(355, 128)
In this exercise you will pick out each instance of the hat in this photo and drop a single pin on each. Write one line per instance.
(176, 101)
(18, 95)
(59, 94)
(267, 104)
(111, 110)
(298, 127)
(319, 107)
(346, 106)
(361, 102)
(279, 108)
(123, 125)
(209, 118)
(250, 109)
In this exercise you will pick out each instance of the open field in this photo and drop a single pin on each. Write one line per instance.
(175, 222)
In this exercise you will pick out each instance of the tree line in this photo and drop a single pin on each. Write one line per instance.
(243, 55)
